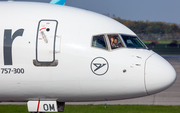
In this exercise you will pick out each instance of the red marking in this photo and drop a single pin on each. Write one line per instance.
(40, 38)
(42, 29)
(48, 23)
(38, 106)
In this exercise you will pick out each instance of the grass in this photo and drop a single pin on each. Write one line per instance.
(161, 41)
(100, 109)
(122, 109)
(13, 109)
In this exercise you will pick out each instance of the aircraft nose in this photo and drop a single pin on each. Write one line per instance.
(159, 74)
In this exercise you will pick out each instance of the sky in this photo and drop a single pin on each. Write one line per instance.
(152, 10)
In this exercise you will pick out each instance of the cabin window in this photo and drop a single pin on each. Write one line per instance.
(99, 42)
(115, 41)
(132, 41)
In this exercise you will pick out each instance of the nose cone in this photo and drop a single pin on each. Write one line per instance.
(159, 74)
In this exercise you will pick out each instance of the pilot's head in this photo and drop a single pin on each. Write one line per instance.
(115, 40)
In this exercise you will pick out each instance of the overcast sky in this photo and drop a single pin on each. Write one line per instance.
(152, 10)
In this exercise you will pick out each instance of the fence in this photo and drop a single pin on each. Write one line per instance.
(160, 38)
(162, 43)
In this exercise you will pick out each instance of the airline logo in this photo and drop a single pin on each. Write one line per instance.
(99, 66)
(8, 41)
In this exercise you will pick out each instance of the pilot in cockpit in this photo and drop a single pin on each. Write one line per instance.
(115, 44)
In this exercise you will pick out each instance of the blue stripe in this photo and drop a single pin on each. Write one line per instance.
(59, 2)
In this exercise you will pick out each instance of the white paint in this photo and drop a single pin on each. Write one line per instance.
(72, 79)
(158, 74)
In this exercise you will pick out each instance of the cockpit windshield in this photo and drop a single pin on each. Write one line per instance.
(116, 41)
(132, 41)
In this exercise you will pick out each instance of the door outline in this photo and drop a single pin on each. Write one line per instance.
(53, 45)
(54, 62)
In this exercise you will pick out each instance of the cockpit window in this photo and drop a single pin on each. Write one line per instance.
(99, 41)
(132, 41)
(115, 41)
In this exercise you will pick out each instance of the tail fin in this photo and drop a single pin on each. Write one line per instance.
(59, 2)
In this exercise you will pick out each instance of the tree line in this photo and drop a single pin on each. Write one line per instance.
(146, 27)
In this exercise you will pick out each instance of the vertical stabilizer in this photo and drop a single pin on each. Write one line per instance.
(59, 2)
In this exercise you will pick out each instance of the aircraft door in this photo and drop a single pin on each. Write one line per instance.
(46, 38)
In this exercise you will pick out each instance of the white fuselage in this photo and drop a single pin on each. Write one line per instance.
(66, 75)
